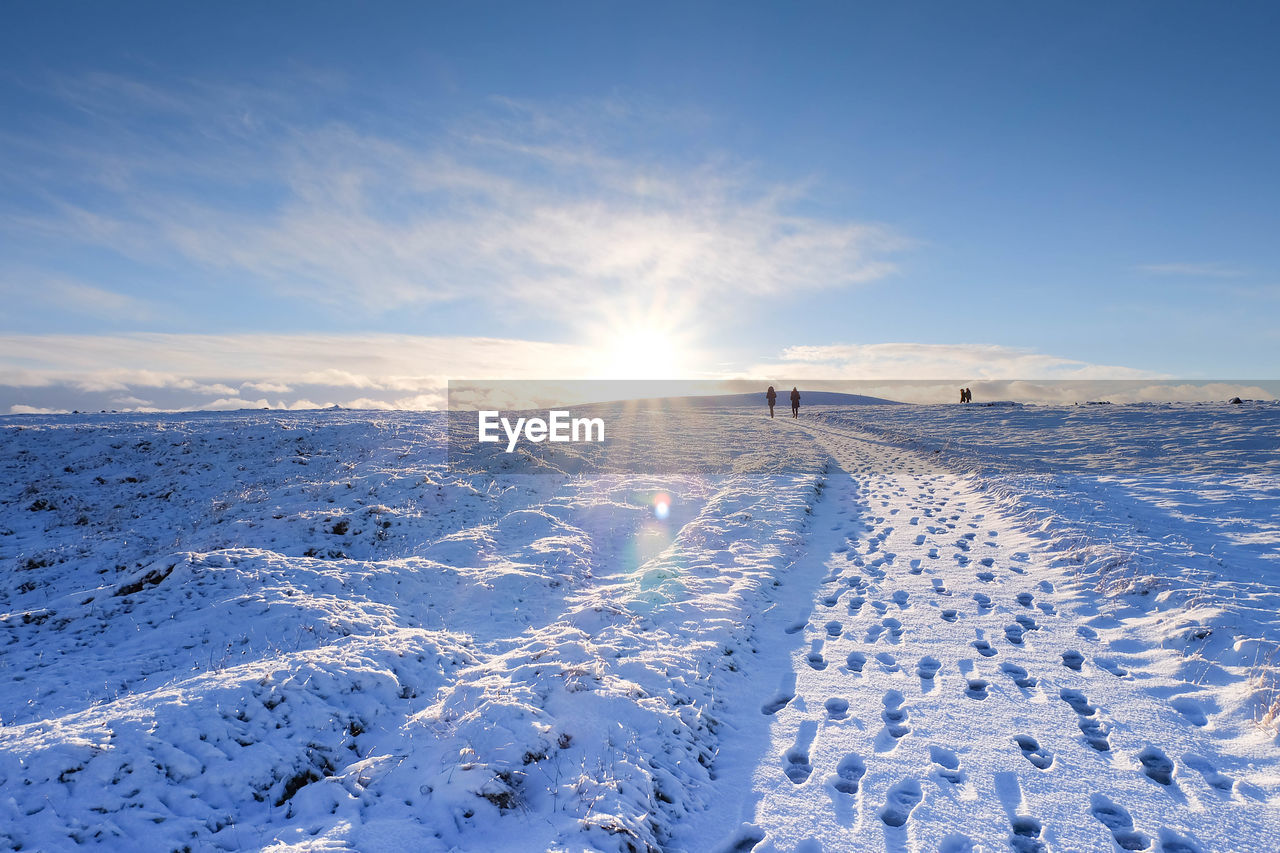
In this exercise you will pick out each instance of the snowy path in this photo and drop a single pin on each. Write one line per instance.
(940, 688)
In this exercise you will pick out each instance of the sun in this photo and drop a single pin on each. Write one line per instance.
(643, 352)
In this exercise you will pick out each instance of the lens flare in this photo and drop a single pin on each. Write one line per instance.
(661, 506)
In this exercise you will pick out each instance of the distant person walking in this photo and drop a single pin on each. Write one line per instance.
(968, 396)
(795, 402)
(772, 396)
(963, 396)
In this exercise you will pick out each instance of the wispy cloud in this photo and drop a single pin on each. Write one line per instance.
(1193, 270)
(522, 208)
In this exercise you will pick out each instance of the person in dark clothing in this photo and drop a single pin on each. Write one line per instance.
(772, 396)
(963, 396)
(795, 402)
(968, 396)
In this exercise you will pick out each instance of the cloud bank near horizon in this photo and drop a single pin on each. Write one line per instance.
(166, 372)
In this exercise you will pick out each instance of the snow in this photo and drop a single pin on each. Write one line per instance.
(875, 627)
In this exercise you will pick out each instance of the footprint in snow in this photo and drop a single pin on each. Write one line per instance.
(1028, 623)
(888, 662)
(1019, 675)
(901, 802)
(1156, 765)
(894, 715)
(986, 577)
(919, 539)
(830, 600)
(948, 615)
(1116, 818)
(849, 773)
(1095, 731)
(1212, 777)
(1013, 633)
(815, 658)
(1072, 659)
(797, 625)
(1194, 710)
(1112, 667)
(1026, 835)
(939, 587)
(948, 764)
(796, 760)
(856, 661)
(786, 692)
(834, 628)
(837, 708)
(1025, 599)
(1173, 842)
(928, 667)
(1087, 632)
(987, 561)
(977, 688)
(1039, 757)
(984, 601)
(984, 648)
(894, 626)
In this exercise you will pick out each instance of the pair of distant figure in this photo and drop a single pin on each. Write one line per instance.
(772, 396)
(966, 396)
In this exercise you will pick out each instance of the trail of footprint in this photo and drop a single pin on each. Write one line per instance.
(986, 577)
(786, 692)
(895, 629)
(948, 615)
(856, 661)
(1039, 757)
(834, 628)
(901, 802)
(939, 587)
(900, 598)
(1117, 819)
(948, 764)
(1072, 659)
(837, 708)
(1013, 633)
(1025, 599)
(849, 773)
(795, 763)
(888, 662)
(984, 601)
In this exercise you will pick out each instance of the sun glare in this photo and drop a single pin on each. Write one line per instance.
(643, 352)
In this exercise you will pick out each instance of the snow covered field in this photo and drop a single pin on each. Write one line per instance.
(891, 627)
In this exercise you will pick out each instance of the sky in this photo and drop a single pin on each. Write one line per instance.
(297, 204)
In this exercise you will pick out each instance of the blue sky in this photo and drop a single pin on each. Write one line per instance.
(221, 204)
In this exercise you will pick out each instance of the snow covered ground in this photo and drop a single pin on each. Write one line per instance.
(892, 627)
